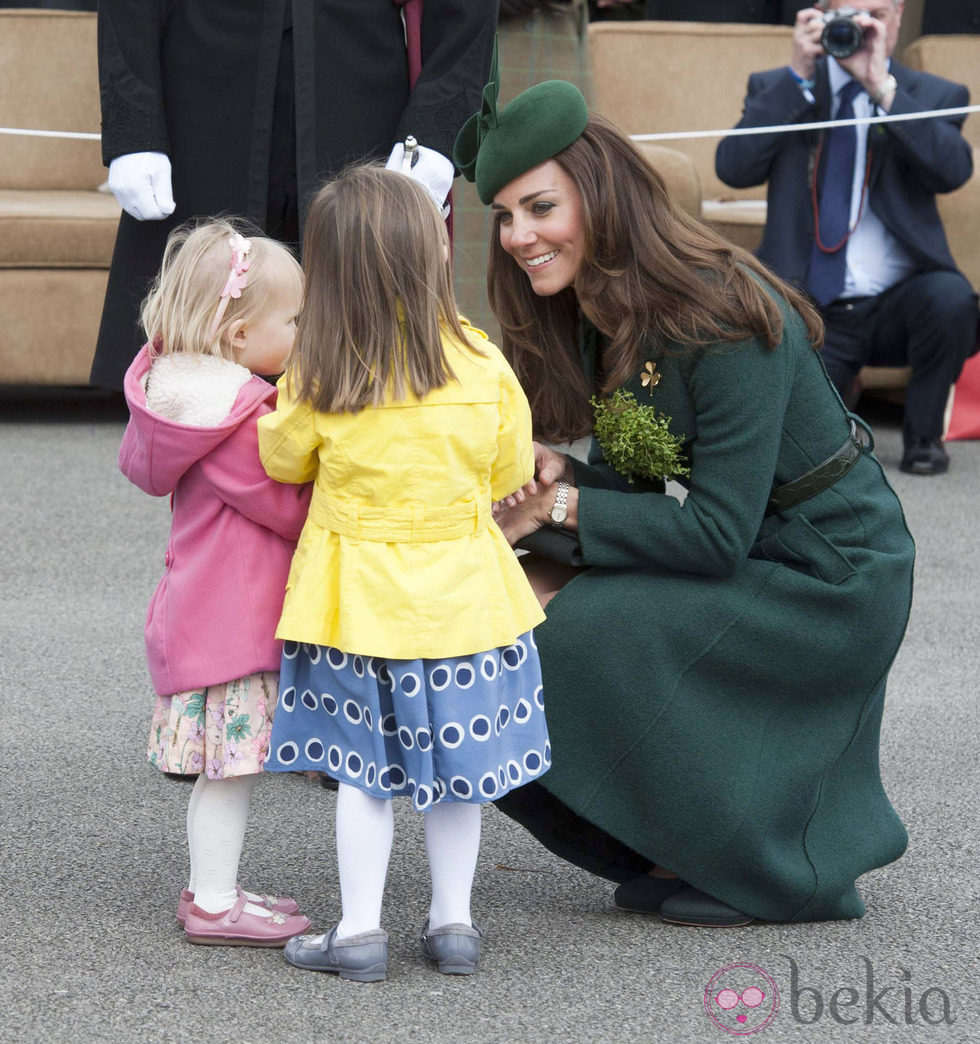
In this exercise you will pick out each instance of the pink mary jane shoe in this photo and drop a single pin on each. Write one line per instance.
(276, 903)
(235, 927)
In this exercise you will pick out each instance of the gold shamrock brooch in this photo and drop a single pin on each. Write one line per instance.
(649, 378)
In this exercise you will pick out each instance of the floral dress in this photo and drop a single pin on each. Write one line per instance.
(222, 730)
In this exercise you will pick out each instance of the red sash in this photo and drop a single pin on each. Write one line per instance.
(412, 12)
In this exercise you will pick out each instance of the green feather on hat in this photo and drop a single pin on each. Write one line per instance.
(493, 148)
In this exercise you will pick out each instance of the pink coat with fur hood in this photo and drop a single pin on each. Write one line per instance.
(213, 615)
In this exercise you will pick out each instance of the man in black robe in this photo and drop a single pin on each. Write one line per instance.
(243, 108)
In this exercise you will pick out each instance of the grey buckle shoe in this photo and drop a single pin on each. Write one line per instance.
(454, 947)
(362, 958)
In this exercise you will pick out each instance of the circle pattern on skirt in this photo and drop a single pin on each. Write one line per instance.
(467, 728)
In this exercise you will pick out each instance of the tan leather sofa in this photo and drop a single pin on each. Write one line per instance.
(657, 77)
(56, 228)
(957, 58)
(661, 77)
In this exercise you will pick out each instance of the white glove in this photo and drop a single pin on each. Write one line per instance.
(431, 170)
(141, 183)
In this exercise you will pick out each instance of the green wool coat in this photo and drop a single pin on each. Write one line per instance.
(715, 679)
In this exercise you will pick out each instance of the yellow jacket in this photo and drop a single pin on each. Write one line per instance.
(400, 556)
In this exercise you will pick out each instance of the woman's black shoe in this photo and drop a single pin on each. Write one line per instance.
(645, 894)
(700, 910)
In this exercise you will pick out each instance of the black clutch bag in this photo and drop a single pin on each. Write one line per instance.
(560, 545)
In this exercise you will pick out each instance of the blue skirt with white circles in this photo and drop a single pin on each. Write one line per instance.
(463, 728)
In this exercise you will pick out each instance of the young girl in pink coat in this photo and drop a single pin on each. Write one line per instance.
(220, 316)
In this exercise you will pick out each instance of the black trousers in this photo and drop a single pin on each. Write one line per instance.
(282, 218)
(927, 321)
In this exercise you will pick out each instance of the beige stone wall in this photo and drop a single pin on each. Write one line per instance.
(911, 23)
(547, 45)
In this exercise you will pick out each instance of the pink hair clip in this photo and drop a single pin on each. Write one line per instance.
(237, 277)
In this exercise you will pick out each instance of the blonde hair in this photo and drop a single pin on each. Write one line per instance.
(379, 294)
(178, 313)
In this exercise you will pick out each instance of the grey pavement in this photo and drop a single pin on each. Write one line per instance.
(93, 850)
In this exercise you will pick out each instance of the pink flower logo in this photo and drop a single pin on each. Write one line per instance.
(741, 999)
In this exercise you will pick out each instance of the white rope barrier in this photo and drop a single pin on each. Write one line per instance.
(783, 128)
(50, 134)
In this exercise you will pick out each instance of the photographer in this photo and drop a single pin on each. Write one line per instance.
(879, 267)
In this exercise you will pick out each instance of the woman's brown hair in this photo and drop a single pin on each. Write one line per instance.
(379, 294)
(652, 279)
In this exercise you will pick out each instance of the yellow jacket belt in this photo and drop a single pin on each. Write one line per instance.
(411, 525)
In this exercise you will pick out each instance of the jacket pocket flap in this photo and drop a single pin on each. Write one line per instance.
(799, 542)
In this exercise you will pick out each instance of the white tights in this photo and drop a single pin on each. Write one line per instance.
(216, 819)
(365, 828)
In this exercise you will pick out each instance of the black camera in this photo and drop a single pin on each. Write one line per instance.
(842, 36)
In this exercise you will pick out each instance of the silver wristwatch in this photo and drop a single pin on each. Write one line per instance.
(559, 510)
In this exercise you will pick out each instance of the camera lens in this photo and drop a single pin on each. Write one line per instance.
(842, 37)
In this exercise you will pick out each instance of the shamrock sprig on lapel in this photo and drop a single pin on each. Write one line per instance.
(634, 439)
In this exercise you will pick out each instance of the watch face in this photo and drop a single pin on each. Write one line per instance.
(559, 513)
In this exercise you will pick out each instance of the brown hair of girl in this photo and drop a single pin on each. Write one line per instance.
(379, 294)
(652, 279)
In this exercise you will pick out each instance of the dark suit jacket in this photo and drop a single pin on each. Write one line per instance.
(910, 162)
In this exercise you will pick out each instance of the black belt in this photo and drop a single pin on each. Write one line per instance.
(818, 478)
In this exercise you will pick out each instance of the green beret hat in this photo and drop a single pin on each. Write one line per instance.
(494, 148)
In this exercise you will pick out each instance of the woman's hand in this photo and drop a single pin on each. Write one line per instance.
(550, 466)
(529, 508)
(524, 516)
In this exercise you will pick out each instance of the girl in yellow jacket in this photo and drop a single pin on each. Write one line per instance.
(409, 665)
